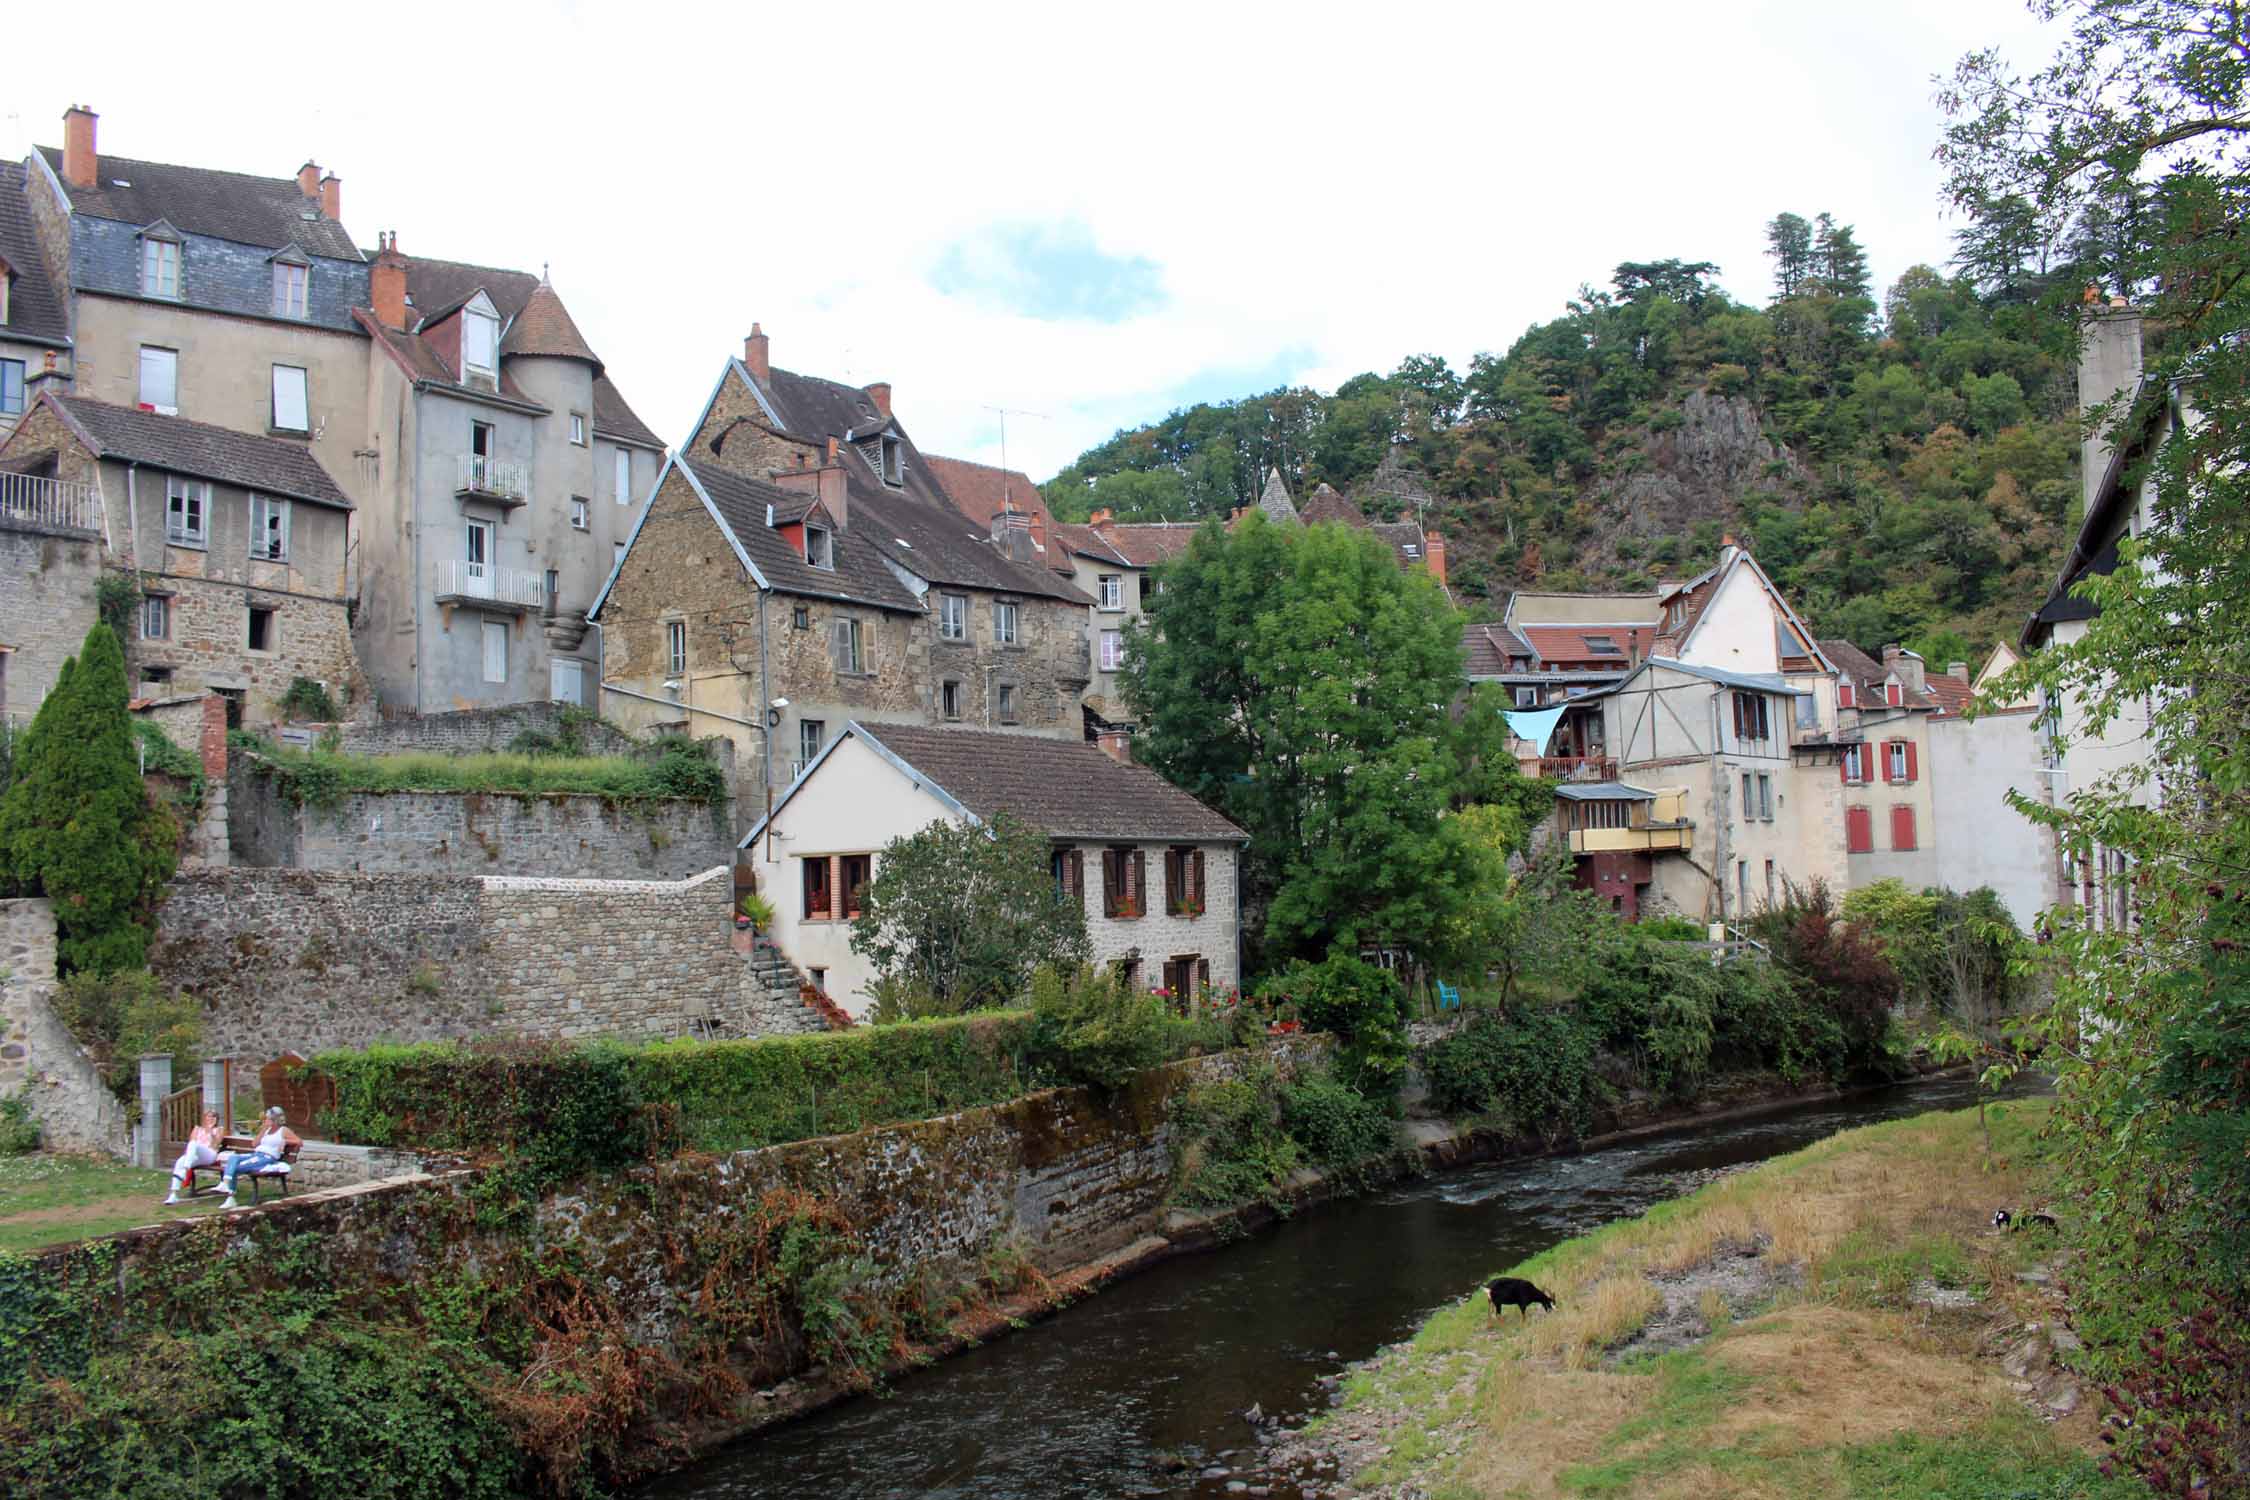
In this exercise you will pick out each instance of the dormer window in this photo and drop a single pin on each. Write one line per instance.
(7, 280)
(160, 268)
(820, 548)
(891, 474)
(292, 286)
(480, 343)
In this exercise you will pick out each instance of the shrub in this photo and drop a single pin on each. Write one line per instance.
(1096, 1029)
(19, 1132)
(1357, 1003)
(1838, 970)
(1765, 1022)
(1535, 1073)
(317, 778)
(117, 598)
(1333, 1122)
(307, 699)
(1228, 1144)
(122, 1016)
(1653, 1002)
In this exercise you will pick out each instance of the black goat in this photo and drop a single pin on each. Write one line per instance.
(2002, 1219)
(1515, 1292)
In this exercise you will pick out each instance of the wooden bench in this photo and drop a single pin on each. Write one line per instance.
(276, 1173)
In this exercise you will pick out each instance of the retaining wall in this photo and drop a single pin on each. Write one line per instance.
(470, 731)
(38, 1055)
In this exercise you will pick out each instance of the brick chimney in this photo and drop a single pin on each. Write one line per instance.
(880, 394)
(386, 282)
(332, 197)
(754, 355)
(1957, 670)
(1433, 548)
(308, 179)
(1101, 518)
(81, 168)
(828, 479)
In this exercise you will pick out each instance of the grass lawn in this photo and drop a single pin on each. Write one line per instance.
(1838, 1377)
(49, 1198)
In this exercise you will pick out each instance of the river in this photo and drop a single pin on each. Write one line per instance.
(1090, 1402)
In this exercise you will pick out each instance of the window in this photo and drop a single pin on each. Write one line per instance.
(1069, 867)
(261, 629)
(1128, 971)
(845, 648)
(1113, 591)
(675, 648)
(816, 889)
(156, 617)
(292, 399)
(1602, 645)
(953, 617)
(891, 474)
(495, 651)
(1854, 764)
(1004, 622)
(290, 284)
(476, 554)
(550, 590)
(480, 346)
(160, 379)
(856, 870)
(578, 518)
(1183, 880)
(269, 528)
(1765, 796)
(11, 385)
(1750, 716)
(187, 511)
(566, 680)
(819, 548)
(624, 473)
(800, 618)
(949, 699)
(160, 269)
(1749, 798)
(6, 281)
(1124, 883)
(1859, 831)
(1007, 703)
(1847, 695)
(1113, 650)
(1411, 550)
(480, 439)
(156, 682)
(578, 429)
(810, 734)
(1902, 827)
(1894, 695)
(1742, 887)
(1527, 697)
(1898, 761)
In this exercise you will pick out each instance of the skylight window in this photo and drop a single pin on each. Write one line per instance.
(1602, 645)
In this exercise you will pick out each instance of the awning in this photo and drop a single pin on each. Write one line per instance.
(1534, 724)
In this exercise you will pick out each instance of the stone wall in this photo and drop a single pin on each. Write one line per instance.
(472, 731)
(544, 835)
(38, 1055)
(574, 958)
(46, 608)
(199, 726)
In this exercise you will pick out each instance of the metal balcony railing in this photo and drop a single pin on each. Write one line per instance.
(482, 474)
(30, 500)
(458, 578)
(1578, 768)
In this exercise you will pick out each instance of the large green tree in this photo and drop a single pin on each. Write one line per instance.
(76, 824)
(2148, 103)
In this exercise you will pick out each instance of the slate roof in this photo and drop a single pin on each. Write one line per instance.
(1868, 675)
(271, 466)
(810, 407)
(265, 211)
(1602, 791)
(34, 311)
(860, 575)
(1067, 788)
(1763, 682)
(940, 544)
(1275, 501)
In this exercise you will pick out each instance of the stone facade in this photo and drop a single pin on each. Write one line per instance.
(475, 833)
(1161, 935)
(575, 958)
(46, 608)
(38, 1055)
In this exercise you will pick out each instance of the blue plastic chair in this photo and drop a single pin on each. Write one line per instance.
(1448, 997)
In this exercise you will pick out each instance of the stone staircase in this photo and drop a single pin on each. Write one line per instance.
(777, 998)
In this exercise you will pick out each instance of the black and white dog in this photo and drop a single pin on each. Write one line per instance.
(2002, 1219)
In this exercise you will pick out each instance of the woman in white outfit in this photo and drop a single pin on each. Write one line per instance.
(202, 1151)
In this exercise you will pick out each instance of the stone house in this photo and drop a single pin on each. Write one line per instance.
(239, 544)
(1155, 869)
(34, 322)
(799, 567)
(515, 472)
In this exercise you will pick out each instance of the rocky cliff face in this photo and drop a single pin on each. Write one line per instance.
(1697, 470)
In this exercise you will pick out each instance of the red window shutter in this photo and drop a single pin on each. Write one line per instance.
(1844, 767)
(1859, 830)
(1893, 694)
(1913, 766)
(1847, 696)
(1902, 827)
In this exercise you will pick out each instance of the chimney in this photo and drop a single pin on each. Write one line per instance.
(386, 282)
(1101, 518)
(1957, 670)
(880, 394)
(2109, 364)
(825, 478)
(308, 179)
(1117, 745)
(754, 355)
(81, 168)
(332, 197)
(1433, 548)
(1906, 664)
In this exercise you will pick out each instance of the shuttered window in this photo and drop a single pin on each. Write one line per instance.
(1183, 880)
(1902, 827)
(1859, 830)
(846, 647)
(1124, 883)
(292, 399)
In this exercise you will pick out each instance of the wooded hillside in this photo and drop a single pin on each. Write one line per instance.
(1907, 471)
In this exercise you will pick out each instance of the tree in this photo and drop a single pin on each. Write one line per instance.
(76, 825)
(2148, 102)
(960, 914)
(1789, 243)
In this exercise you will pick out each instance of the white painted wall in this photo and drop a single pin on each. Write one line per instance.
(1736, 631)
(1980, 839)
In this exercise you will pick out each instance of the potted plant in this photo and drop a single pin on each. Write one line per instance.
(753, 911)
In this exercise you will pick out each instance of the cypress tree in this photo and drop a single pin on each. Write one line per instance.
(76, 824)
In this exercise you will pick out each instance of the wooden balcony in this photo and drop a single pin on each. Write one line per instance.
(1577, 768)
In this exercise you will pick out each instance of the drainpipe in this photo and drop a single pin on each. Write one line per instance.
(988, 671)
(132, 514)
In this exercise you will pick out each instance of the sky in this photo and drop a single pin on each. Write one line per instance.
(1081, 217)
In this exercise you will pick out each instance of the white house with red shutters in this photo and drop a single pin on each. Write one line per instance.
(1883, 714)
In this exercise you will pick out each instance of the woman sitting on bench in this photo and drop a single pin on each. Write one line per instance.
(202, 1151)
(274, 1139)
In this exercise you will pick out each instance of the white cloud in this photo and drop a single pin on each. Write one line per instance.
(1346, 185)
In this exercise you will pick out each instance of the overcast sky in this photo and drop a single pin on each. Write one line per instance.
(1089, 215)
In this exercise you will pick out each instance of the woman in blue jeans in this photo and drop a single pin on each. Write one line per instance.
(274, 1138)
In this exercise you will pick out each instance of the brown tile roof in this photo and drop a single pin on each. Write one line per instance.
(1088, 542)
(543, 327)
(1067, 788)
(613, 418)
(1867, 674)
(437, 287)
(34, 311)
(1325, 504)
(1569, 643)
(979, 491)
(1950, 694)
(271, 466)
(1147, 543)
(860, 575)
(268, 212)
(1488, 648)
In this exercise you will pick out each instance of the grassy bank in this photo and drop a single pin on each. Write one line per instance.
(1830, 1323)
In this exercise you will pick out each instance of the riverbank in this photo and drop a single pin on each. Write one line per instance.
(1842, 1321)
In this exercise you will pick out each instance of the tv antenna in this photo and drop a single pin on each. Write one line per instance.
(1007, 475)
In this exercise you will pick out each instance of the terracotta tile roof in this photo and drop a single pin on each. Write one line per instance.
(1147, 543)
(1067, 788)
(979, 491)
(1950, 694)
(1088, 542)
(437, 287)
(1570, 643)
(860, 575)
(268, 212)
(271, 466)
(1868, 674)
(543, 326)
(34, 311)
